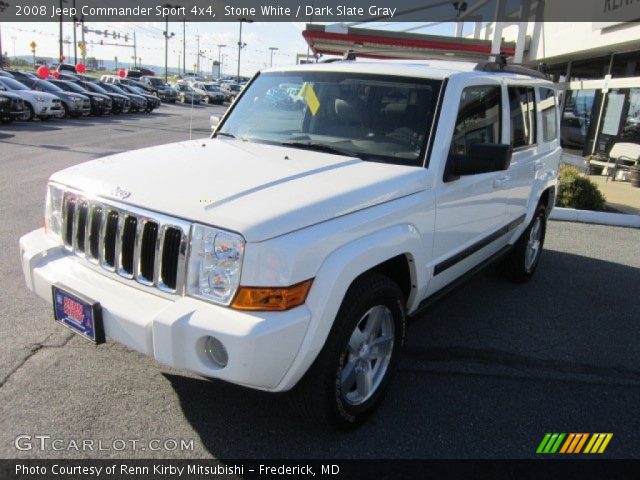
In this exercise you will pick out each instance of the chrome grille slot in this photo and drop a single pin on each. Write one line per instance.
(148, 242)
(127, 245)
(94, 232)
(171, 241)
(125, 242)
(69, 209)
(110, 239)
(80, 227)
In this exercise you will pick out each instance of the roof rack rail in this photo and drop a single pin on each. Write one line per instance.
(500, 65)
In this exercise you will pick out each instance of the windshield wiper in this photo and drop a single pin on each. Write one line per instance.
(323, 147)
(230, 135)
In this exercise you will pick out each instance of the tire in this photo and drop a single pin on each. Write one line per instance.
(322, 395)
(28, 113)
(65, 111)
(520, 264)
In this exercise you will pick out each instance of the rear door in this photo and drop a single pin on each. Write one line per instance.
(470, 209)
(527, 149)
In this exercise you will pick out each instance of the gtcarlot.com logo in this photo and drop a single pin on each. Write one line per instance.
(573, 443)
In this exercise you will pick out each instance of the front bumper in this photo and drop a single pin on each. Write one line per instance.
(261, 346)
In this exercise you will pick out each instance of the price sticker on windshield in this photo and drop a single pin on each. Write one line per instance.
(310, 97)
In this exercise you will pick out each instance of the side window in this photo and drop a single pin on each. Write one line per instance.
(522, 107)
(549, 114)
(478, 119)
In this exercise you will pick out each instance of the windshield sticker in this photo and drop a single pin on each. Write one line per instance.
(310, 97)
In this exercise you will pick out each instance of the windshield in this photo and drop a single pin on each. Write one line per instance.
(68, 86)
(211, 88)
(13, 84)
(94, 87)
(135, 89)
(48, 86)
(379, 118)
(113, 88)
(156, 82)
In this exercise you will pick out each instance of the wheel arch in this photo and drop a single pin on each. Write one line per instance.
(394, 252)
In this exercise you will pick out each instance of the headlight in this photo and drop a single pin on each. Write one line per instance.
(4, 100)
(78, 101)
(53, 211)
(215, 263)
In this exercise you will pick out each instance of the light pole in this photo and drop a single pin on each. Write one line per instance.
(220, 47)
(273, 49)
(167, 36)
(240, 44)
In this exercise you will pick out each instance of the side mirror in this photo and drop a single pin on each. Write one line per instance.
(214, 120)
(481, 158)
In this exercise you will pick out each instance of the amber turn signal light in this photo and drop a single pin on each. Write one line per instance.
(271, 299)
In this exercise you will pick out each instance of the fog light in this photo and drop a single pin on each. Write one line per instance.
(216, 352)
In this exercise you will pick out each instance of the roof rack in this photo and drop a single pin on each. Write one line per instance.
(500, 65)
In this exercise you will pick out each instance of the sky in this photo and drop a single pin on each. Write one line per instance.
(258, 36)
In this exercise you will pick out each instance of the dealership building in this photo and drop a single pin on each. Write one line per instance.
(595, 64)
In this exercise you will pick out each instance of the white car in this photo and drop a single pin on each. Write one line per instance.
(37, 104)
(286, 252)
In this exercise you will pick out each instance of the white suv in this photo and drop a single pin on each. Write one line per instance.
(287, 251)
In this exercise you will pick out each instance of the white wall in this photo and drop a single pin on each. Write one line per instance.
(558, 39)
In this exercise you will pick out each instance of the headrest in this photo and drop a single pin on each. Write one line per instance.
(349, 111)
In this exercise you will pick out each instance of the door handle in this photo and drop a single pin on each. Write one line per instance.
(500, 182)
(538, 165)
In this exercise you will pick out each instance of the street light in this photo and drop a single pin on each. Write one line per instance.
(167, 36)
(240, 44)
(273, 49)
(220, 47)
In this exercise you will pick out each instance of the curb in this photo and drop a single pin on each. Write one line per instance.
(599, 218)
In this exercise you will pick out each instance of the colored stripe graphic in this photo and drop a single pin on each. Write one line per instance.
(574, 443)
(598, 443)
(550, 443)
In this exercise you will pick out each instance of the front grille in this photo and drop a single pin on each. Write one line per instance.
(17, 105)
(137, 245)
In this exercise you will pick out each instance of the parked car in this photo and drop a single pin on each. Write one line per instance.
(37, 104)
(119, 103)
(100, 104)
(138, 102)
(230, 90)
(574, 130)
(66, 67)
(11, 107)
(22, 76)
(152, 101)
(209, 92)
(324, 228)
(139, 72)
(73, 104)
(186, 94)
(165, 92)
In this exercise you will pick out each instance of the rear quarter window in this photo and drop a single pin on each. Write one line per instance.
(548, 107)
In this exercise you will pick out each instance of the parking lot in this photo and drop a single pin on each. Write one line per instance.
(486, 372)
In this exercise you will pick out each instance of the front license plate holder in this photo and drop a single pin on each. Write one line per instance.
(78, 313)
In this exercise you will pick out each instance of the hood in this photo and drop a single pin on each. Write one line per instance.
(10, 95)
(260, 191)
(32, 94)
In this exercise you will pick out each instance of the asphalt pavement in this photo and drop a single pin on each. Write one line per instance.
(485, 374)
